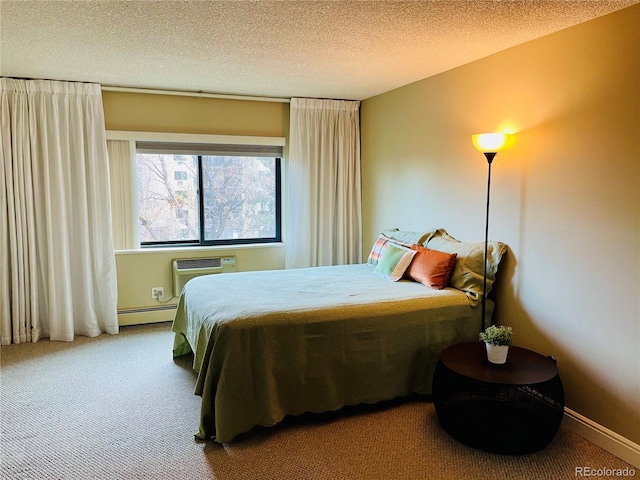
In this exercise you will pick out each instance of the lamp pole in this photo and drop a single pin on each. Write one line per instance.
(489, 144)
(490, 156)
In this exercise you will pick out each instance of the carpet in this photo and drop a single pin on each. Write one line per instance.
(120, 407)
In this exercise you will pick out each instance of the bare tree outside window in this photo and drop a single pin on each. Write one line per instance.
(239, 199)
(167, 197)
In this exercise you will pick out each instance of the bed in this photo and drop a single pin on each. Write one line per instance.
(269, 344)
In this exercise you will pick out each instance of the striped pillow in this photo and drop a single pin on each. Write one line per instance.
(394, 261)
(378, 246)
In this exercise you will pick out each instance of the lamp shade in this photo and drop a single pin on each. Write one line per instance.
(490, 142)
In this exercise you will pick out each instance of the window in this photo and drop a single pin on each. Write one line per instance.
(192, 194)
(182, 214)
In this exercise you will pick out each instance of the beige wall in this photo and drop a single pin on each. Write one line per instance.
(565, 197)
(139, 271)
(183, 114)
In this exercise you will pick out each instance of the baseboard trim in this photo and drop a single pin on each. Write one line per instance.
(612, 442)
(140, 316)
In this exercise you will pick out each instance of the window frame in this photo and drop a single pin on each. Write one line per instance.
(201, 241)
(129, 202)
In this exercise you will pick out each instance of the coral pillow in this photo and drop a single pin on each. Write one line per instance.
(431, 267)
(468, 274)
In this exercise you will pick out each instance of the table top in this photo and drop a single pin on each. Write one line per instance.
(523, 367)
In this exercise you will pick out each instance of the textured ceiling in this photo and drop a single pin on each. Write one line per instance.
(322, 49)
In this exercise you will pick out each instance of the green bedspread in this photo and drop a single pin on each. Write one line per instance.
(275, 343)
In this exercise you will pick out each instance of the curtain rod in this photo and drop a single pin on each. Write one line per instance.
(151, 91)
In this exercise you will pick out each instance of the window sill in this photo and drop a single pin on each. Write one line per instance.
(204, 248)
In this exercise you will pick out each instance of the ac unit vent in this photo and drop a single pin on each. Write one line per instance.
(214, 262)
(184, 269)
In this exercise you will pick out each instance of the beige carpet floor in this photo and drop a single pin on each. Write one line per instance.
(120, 407)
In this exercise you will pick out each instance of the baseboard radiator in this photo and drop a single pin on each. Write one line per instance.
(184, 269)
(142, 315)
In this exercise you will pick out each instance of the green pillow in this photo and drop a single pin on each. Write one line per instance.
(394, 260)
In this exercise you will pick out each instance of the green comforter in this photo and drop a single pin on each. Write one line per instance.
(275, 343)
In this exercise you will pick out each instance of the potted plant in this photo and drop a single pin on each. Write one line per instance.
(497, 339)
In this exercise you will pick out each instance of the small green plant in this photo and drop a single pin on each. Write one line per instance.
(497, 335)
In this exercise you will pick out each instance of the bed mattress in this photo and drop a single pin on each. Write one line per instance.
(275, 343)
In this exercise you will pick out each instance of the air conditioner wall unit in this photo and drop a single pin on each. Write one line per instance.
(184, 269)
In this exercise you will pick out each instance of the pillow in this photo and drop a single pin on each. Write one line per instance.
(399, 237)
(379, 245)
(408, 237)
(431, 267)
(394, 260)
(468, 272)
(376, 250)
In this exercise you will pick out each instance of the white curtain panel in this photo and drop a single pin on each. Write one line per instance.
(57, 263)
(123, 205)
(324, 215)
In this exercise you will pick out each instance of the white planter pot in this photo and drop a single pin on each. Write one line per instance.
(497, 353)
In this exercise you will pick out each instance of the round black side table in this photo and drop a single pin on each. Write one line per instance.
(514, 408)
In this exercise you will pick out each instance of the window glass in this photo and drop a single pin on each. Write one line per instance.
(239, 197)
(235, 198)
(167, 197)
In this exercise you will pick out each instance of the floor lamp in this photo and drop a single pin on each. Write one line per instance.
(489, 144)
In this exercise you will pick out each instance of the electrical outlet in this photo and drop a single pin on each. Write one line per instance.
(157, 293)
